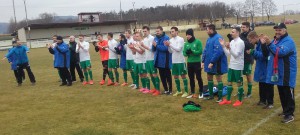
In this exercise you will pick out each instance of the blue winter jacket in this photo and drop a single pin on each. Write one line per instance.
(13, 60)
(162, 57)
(20, 54)
(121, 47)
(213, 53)
(287, 61)
(61, 55)
(260, 73)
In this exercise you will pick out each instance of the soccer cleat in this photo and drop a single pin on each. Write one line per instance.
(195, 96)
(169, 93)
(33, 84)
(124, 84)
(152, 91)
(270, 106)
(177, 93)
(209, 98)
(146, 91)
(132, 85)
(184, 95)
(237, 103)
(200, 96)
(225, 102)
(19, 85)
(248, 96)
(189, 96)
(141, 89)
(81, 79)
(116, 84)
(156, 93)
(84, 83)
(91, 82)
(110, 83)
(166, 92)
(288, 119)
(219, 100)
(102, 82)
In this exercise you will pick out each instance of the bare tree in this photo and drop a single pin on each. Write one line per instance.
(270, 8)
(252, 7)
(46, 17)
(238, 9)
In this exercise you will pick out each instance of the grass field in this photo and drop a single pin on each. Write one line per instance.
(95, 110)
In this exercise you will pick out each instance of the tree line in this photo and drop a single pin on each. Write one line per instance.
(186, 12)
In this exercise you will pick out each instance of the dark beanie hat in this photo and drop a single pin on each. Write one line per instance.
(59, 38)
(190, 32)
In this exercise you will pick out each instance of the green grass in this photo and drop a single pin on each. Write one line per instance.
(93, 110)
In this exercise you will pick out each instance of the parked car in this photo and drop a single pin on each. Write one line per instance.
(290, 21)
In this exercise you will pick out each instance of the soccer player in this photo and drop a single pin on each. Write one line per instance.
(266, 90)
(214, 61)
(129, 59)
(162, 60)
(234, 49)
(248, 58)
(113, 61)
(74, 62)
(179, 68)
(104, 54)
(151, 70)
(82, 48)
(140, 62)
(193, 50)
(62, 60)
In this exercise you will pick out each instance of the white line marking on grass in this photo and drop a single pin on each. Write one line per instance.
(251, 130)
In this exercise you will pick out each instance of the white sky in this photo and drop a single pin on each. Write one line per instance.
(72, 7)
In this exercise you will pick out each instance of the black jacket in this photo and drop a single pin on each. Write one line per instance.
(248, 58)
(74, 56)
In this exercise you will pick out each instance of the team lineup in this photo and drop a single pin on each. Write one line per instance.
(157, 59)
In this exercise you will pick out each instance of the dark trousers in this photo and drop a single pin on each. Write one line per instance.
(16, 74)
(266, 93)
(105, 69)
(166, 78)
(74, 65)
(29, 72)
(287, 99)
(194, 68)
(65, 75)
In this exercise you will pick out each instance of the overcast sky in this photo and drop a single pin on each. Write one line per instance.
(72, 7)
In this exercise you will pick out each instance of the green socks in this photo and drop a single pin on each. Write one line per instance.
(177, 81)
(90, 74)
(220, 90)
(185, 84)
(125, 76)
(148, 83)
(144, 81)
(229, 91)
(153, 81)
(132, 76)
(157, 83)
(117, 76)
(249, 88)
(137, 81)
(111, 76)
(210, 88)
(240, 93)
(86, 76)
